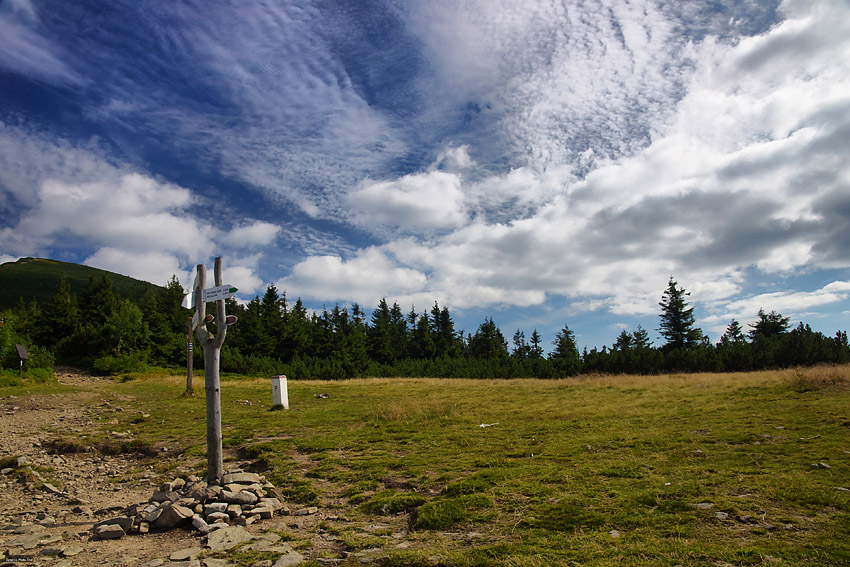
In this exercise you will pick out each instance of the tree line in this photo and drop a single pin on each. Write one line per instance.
(108, 334)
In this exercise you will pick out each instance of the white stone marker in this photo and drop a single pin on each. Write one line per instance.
(280, 394)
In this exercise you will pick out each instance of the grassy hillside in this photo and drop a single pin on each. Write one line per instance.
(697, 470)
(36, 278)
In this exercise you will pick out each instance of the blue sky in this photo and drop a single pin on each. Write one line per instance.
(542, 163)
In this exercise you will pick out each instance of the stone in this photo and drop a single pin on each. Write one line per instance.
(185, 554)
(71, 550)
(264, 512)
(47, 487)
(125, 522)
(703, 505)
(821, 466)
(234, 510)
(164, 496)
(215, 507)
(172, 486)
(81, 510)
(227, 538)
(265, 541)
(289, 559)
(199, 523)
(240, 478)
(172, 516)
(215, 562)
(144, 527)
(263, 563)
(218, 517)
(110, 531)
(153, 563)
(272, 503)
(238, 497)
(722, 516)
(50, 551)
(309, 511)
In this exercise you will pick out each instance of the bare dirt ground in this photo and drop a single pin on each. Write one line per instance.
(90, 486)
(49, 500)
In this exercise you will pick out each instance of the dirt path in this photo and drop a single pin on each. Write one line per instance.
(89, 486)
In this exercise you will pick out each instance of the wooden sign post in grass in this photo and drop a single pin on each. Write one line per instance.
(212, 357)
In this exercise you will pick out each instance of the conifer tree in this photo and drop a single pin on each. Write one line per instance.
(677, 319)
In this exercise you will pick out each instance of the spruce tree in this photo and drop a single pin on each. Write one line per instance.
(677, 319)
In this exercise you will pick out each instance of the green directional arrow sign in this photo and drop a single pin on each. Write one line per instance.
(218, 293)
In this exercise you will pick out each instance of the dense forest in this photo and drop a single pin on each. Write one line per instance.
(109, 334)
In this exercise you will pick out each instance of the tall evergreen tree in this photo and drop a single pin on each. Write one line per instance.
(535, 350)
(522, 349)
(677, 319)
(488, 342)
(565, 356)
(769, 325)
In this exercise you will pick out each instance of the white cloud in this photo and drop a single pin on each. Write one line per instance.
(154, 267)
(414, 203)
(742, 172)
(26, 51)
(364, 278)
(792, 304)
(250, 235)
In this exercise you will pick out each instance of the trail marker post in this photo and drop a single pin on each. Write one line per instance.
(212, 357)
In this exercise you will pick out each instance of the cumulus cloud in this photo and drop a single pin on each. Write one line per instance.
(364, 278)
(414, 203)
(742, 172)
(147, 266)
(255, 234)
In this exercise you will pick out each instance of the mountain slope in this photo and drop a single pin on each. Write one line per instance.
(36, 278)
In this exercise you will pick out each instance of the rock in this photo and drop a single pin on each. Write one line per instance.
(240, 478)
(264, 512)
(263, 563)
(238, 497)
(615, 534)
(172, 486)
(144, 527)
(234, 510)
(309, 511)
(215, 507)
(227, 538)
(50, 551)
(47, 487)
(200, 524)
(163, 496)
(172, 516)
(820, 466)
(153, 563)
(289, 559)
(185, 554)
(264, 542)
(110, 531)
(82, 511)
(218, 517)
(213, 562)
(722, 516)
(272, 503)
(125, 522)
(703, 506)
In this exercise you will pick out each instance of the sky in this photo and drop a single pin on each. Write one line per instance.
(542, 163)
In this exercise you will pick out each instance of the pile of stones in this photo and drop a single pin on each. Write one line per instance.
(241, 499)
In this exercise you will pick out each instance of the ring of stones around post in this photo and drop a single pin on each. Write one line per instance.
(242, 500)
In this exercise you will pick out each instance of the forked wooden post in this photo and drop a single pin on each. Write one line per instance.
(189, 358)
(212, 358)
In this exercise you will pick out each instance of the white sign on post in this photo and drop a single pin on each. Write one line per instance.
(218, 293)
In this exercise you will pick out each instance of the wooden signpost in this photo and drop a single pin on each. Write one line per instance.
(23, 355)
(212, 358)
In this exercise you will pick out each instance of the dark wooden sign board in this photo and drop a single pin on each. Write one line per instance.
(22, 352)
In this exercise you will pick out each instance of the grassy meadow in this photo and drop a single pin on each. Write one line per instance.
(706, 469)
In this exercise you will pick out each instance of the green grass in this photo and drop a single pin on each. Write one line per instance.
(589, 471)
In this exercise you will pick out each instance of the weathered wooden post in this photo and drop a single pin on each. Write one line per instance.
(189, 358)
(212, 358)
